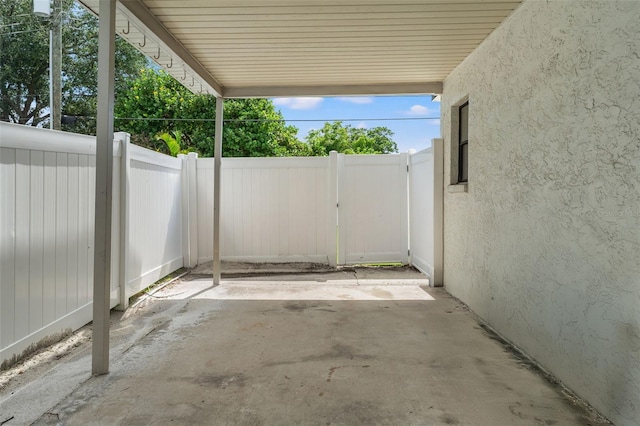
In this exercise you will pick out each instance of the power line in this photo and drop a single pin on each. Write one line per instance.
(20, 32)
(262, 120)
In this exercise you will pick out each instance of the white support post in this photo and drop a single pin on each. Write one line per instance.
(332, 219)
(217, 152)
(438, 213)
(103, 190)
(125, 219)
(192, 177)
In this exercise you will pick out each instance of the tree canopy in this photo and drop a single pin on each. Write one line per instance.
(155, 103)
(24, 65)
(350, 140)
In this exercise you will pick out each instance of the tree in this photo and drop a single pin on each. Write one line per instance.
(80, 69)
(350, 140)
(155, 103)
(24, 61)
(24, 65)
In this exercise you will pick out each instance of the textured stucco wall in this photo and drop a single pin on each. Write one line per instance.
(545, 246)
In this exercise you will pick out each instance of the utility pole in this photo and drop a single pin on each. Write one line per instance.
(56, 65)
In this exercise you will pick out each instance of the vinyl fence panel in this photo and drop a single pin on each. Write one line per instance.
(273, 209)
(372, 208)
(46, 235)
(421, 212)
(155, 217)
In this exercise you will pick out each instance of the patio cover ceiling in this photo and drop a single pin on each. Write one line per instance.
(268, 48)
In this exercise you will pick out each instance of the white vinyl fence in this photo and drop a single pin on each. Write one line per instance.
(339, 209)
(421, 195)
(272, 210)
(155, 217)
(47, 182)
(425, 210)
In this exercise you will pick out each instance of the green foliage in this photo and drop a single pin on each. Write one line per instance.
(347, 139)
(254, 128)
(24, 65)
(155, 103)
(80, 69)
(173, 142)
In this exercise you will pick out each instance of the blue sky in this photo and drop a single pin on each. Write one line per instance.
(414, 131)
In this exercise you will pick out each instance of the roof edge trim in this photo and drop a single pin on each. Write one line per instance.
(430, 88)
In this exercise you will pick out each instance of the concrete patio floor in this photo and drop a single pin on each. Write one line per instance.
(354, 347)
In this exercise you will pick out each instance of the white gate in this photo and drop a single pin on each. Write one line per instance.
(372, 209)
(421, 212)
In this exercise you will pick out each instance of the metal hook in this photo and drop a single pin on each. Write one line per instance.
(193, 81)
(144, 41)
(185, 75)
(171, 65)
(128, 29)
(157, 57)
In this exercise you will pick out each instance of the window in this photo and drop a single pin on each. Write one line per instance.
(463, 142)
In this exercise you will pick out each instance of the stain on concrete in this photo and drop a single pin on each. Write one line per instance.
(253, 326)
(449, 419)
(220, 381)
(337, 351)
(360, 412)
(382, 294)
(297, 306)
(332, 370)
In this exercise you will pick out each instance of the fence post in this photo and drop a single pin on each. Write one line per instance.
(192, 159)
(332, 219)
(342, 250)
(437, 278)
(184, 181)
(125, 217)
(404, 169)
(409, 201)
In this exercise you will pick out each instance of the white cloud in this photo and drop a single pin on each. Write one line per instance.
(434, 122)
(360, 100)
(361, 125)
(418, 110)
(298, 103)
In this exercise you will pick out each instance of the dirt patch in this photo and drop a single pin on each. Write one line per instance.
(42, 359)
(242, 269)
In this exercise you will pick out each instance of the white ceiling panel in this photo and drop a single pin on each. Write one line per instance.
(298, 47)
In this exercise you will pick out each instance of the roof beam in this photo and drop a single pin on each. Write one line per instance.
(136, 9)
(432, 88)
